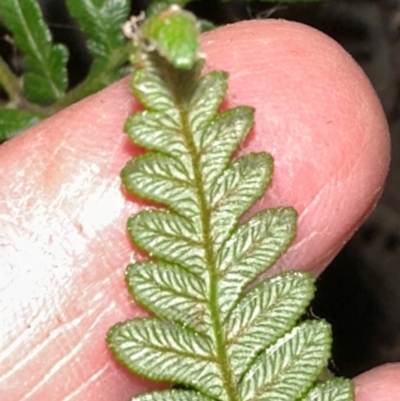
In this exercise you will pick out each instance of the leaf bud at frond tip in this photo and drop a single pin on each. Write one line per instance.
(173, 33)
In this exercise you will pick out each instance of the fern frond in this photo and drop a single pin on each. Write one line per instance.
(210, 334)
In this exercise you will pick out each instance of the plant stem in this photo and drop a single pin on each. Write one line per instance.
(99, 77)
(211, 257)
(218, 328)
(9, 81)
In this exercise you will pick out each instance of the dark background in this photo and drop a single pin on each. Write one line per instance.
(360, 291)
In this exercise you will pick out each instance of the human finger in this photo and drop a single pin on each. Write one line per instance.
(63, 212)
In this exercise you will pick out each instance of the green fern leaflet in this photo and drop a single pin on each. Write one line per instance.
(210, 335)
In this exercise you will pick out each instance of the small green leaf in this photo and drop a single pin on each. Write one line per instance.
(151, 90)
(172, 395)
(46, 77)
(101, 21)
(161, 179)
(286, 369)
(205, 101)
(12, 122)
(240, 185)
(157, 131)
(151, 86)
(265, 314)
(220, 139)
(175, 35)
(169, 237)
(164, 351)
(170, 292)
(253, 248)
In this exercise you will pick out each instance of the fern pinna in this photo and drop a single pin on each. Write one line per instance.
(209, 334)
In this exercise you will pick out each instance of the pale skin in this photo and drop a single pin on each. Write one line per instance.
(63, 243)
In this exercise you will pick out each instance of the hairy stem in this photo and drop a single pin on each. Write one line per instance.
(218, 330)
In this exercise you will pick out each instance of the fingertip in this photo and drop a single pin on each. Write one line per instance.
(379, 384)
